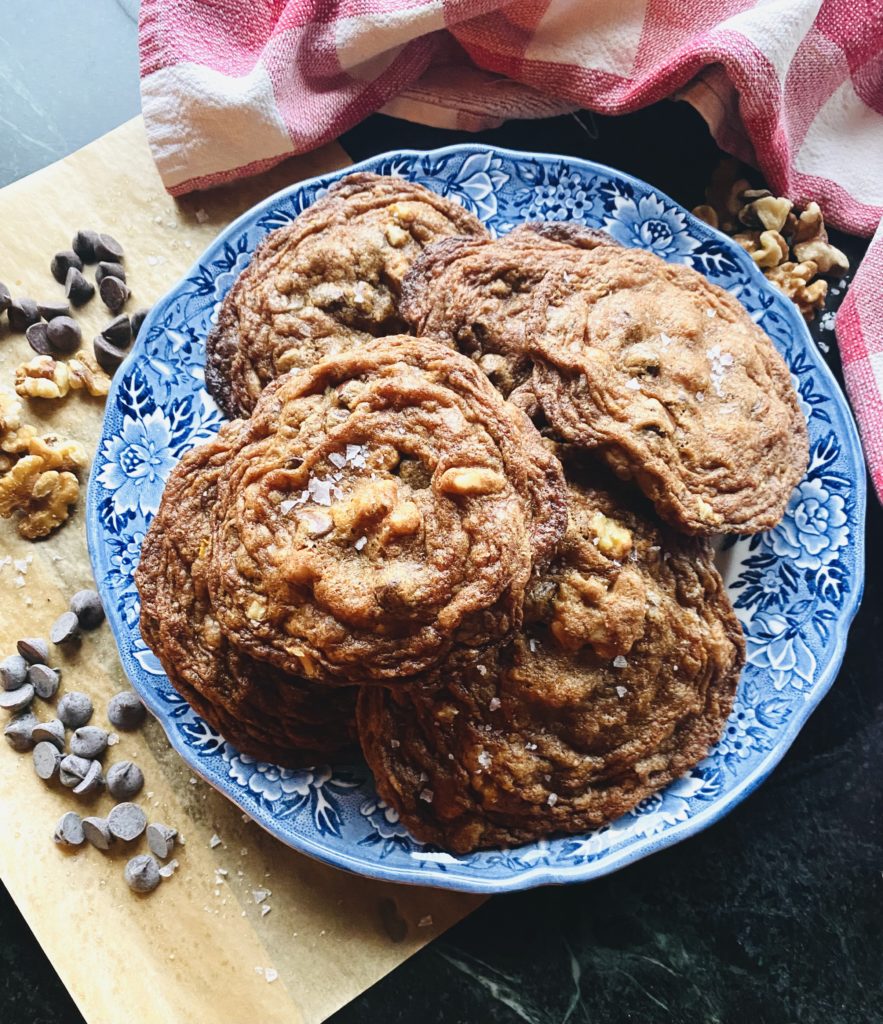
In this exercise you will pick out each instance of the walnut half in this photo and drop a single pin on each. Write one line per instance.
(45, 377)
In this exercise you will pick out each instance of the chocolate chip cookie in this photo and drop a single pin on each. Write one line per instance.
(476, 292)
(260, 710)
(620, 682)
(325, 283)
(379, 508)
(668, 377)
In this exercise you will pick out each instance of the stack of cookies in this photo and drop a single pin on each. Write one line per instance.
(460, 515)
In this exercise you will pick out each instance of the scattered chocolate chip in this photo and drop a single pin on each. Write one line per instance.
(34, 650)
(104, 270)
(13, 672)
(22, 313)
(65, 628)
(114, 293)
(124, 780)
(73, 769)
(138, 318)
(47, 758)
(84, 245)
(18, 699)
(108, 356)
(38, 339)
(77, 288)
(161, 839)
(44, 680)
(49, 732)
(62, 262)
(51, 310)
(19, 732)
(142, 873)
(97, 833)
(64, 334)
(89, 741)
(5, 298)
(125, 711)
(109, 249)
(118, 332)
(87, 606)
(92, 782)
(69, 830)
(127, 821)
(74, 709)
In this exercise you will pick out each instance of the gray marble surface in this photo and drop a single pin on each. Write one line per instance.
(68, 74)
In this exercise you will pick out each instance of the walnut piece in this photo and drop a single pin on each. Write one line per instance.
(763, 210)
(767, 248)
(796, 281)
(45, 377)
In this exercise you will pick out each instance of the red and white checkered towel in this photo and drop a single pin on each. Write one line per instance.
(795, 87)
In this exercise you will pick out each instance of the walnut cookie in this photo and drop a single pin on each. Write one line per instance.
(380, 508)
(476, 292)
(621, 681)
(325, 283)
(260, 710)
(670, 379)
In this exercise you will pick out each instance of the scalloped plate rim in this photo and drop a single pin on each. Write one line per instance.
(541, 874)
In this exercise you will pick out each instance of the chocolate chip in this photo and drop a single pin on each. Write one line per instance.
(92, 782)
(38, 339)
(47, 758)
(125, 711)
(49, 732)
(69, 830)
(124, 780)
(142, 873)
(104, 270)
(90, 741)
(19, 732)
(34, 650)
(109, 249)
(138, 318)
(74, 709)
(22, 313)
(5, 297)
(44, 680)
(84, 245)
(13, 672)
(118, 332)
(50, 310)
(127, 821)
(161, 839)
(108, 356)
(87, 606)
(62, 262)
(18, 699)
(114, 293)
(65, 628)
(73, 769)
(77, 288)
(97, 832)
(64, 334)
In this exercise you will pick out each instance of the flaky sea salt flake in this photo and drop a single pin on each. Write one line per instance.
(620, 662)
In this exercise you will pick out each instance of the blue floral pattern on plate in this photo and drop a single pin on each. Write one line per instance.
(795, 588)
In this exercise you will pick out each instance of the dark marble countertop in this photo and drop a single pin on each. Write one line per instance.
(775, 914)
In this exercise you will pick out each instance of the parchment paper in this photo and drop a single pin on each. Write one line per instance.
(188, 952)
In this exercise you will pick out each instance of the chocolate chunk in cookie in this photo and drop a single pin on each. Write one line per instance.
(378, 509)
(325, 283)
(670, 379)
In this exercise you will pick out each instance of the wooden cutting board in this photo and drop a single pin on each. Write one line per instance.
(195, 950)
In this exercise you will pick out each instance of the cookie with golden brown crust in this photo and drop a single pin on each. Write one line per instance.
(263, 712)
(476, 292)
(380, 508)
(620, 682)
(670, 379)
(325, 283)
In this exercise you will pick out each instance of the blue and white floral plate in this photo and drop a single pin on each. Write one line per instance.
(795, 588)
